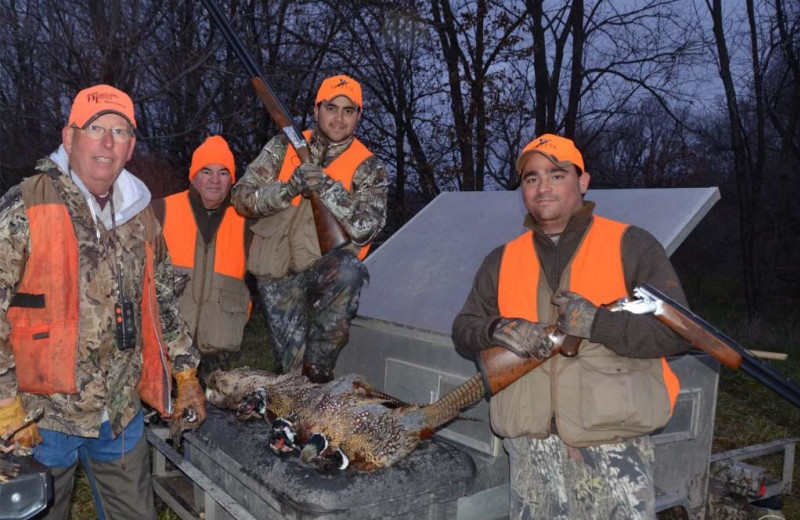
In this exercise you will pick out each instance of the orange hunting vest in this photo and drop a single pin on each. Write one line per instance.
(44, 314)
(341, 169)
(595, 272)
(215, 302)
(229, 259)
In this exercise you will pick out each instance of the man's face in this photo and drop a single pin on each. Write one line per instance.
(552, 194)
(337, 118)
(213, 183)
(98, 162)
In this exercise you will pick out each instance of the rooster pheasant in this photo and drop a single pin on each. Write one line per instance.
(371, 429)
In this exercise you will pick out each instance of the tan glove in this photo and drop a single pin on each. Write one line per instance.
(12, 416)
(190, 405)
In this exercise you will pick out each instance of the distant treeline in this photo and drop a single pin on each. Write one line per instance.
(657, 93)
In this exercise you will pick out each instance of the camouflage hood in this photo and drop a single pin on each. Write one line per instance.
(131, 196)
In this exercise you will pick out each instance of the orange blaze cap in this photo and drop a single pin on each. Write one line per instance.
(95, 101)
(340, 85)
(214, 150)
(560, 150)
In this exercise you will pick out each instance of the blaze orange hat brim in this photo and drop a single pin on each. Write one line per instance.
(95, 101)
(340, 85)
(560, 150)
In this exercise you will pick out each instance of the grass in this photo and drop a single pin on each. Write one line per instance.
(747, 412)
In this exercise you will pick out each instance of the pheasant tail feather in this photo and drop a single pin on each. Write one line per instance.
(450, 405)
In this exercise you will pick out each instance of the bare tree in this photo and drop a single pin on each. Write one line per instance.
(454, 89)
(747, 147)
(592, 64)
(473, 38)
(782, 100)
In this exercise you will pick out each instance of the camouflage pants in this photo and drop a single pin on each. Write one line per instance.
(210, 363)
(309, 314)
(550, 480)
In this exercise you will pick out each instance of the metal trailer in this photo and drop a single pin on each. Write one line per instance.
(401, 342)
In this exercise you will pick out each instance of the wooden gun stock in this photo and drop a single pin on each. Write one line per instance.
(699, 337)
(500, 367)
(330, 233)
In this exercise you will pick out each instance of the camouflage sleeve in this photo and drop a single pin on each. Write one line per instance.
(182, 351)
(257, 193)
(361, 212)
(13, 251)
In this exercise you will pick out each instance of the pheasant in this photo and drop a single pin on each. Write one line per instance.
(356, 422)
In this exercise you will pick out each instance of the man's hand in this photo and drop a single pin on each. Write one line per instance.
(13, 417)
(522, 337)
(296, 184)
(313, 176)
(575, 314)
(307, 176)
(190, 405)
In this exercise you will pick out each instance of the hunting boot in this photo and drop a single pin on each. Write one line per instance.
(317, 373)
(209, 363)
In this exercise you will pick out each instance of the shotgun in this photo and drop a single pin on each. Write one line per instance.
(703, 336)
(500, 367)
(330, 233)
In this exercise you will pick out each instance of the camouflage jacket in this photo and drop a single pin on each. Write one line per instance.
(106, 376)
(361, 212)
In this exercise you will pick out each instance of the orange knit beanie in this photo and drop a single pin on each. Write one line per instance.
(214, 150)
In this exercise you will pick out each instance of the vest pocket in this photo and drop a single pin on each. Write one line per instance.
(269, 251)
(223, 329)
(45, 358)
(620, 394)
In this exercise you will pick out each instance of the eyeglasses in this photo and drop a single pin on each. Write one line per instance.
(120, 135)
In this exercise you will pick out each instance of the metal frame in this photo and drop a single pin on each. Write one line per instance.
(730, 472)
(211, 494)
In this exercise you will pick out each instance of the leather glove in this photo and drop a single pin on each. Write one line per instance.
(11, 417)
(522, 337)
(190, 405)
(313, 176)
(575, 314)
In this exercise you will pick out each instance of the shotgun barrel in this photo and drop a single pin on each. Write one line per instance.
(704, 336)
(330, 233)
